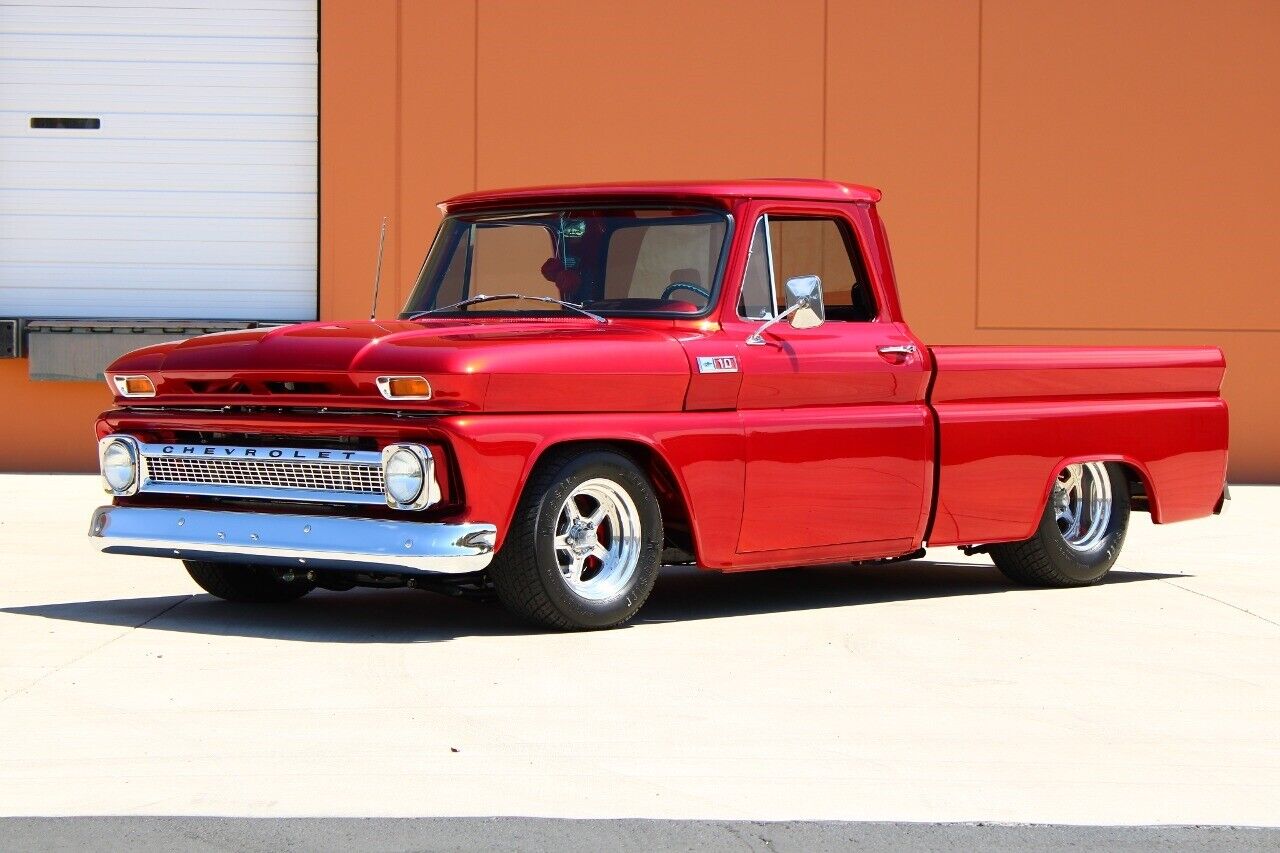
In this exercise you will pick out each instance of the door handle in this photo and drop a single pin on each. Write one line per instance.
(897, 349)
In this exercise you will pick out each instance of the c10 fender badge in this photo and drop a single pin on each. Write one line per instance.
(717, 364)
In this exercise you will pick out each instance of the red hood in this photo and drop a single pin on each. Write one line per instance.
(492, 365)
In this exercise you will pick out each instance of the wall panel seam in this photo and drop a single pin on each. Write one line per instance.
(475, 96)
(826, 105)
(397, 208)
(977, 188)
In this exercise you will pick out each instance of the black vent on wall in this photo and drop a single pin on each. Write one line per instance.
(51, 123)
(10, 338)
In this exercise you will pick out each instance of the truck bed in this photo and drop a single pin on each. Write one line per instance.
(1010, 417)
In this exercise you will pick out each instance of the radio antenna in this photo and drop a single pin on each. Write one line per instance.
(377, 273)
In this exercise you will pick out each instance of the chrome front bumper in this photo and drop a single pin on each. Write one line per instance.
(299, 541)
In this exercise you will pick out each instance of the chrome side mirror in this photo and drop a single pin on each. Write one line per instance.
(805, 309)
(804, 295)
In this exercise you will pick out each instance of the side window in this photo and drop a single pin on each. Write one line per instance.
(756, 302)
(824, 247)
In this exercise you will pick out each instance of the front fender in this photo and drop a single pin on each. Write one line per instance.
(703, 451)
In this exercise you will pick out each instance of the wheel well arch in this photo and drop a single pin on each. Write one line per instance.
(1141, 490)
(672, 498)
(1139, 487)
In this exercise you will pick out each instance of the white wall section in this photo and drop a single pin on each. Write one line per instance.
(196, 197)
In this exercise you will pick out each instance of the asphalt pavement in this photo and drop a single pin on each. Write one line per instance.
(500, 835)
(913, 694)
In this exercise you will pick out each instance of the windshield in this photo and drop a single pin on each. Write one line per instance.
(617, 260)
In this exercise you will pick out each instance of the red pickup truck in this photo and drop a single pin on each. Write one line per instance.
(588, 382)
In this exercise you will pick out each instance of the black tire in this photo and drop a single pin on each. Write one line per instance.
(1046, 560)
(526, 573)
(244, 583)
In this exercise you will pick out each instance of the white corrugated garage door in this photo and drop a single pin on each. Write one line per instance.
(195, 196)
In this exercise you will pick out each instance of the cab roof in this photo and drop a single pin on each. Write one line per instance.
(800, 189)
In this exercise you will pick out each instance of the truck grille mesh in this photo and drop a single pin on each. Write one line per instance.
(346, 477)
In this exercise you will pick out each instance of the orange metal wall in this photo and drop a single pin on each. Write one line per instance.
(1092, 172)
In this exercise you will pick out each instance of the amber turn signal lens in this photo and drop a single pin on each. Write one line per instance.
(410, 386)
(134, 386)
(404, 387)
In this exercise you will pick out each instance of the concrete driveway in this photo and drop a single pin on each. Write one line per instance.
(929, 691)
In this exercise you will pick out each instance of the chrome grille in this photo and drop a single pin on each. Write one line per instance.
(329, 475)
(270, 474)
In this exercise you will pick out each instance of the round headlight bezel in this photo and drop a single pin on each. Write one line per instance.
(422, 472)
(404, 477)
(110, 460)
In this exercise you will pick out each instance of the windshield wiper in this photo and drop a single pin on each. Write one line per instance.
(482, 298)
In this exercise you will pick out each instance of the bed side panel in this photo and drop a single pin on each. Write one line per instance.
(1011, 417)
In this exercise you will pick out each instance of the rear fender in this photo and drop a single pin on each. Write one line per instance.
(1135, 471)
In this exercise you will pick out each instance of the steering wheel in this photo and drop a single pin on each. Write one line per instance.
(685, 285)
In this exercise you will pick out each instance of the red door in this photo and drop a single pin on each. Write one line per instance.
(839, 440)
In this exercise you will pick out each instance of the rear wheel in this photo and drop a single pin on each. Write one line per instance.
(244, 583)
(585, 544)
(1080, 533)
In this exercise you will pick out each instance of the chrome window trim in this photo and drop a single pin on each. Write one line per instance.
(746, 271)
(773, 284)
(763, 219)
(856, 250)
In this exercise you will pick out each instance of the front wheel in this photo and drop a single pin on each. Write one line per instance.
(1080, 533)
(585, 545)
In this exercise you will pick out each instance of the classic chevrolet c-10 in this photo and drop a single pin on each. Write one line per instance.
(715, 373)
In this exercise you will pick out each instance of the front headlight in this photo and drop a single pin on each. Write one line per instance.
(119, 462)
(409, 476)
(404, 476)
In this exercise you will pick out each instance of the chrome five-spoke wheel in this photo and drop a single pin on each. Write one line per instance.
(597, 539)
(1080, 533)
(1081, 504)
(585, 544)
